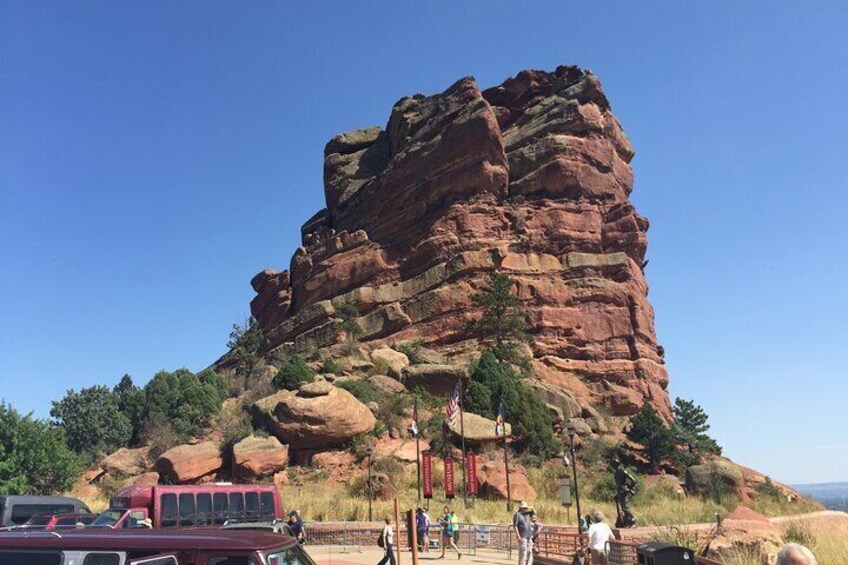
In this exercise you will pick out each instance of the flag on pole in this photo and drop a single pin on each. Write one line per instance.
(500, 424)
(413, 427)
(453, 404)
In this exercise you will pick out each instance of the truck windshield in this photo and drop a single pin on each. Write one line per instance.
(292, 556)
(108, 518)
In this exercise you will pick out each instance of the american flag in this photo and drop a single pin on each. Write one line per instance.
(453, 404)
(413, 427)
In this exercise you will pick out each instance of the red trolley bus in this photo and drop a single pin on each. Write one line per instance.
(165, 506)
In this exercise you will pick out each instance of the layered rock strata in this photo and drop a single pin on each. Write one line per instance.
(530, 178)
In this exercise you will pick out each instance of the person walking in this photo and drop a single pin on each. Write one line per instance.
(599, 534)
(522, 524)
(387, 539)
(537, 529)
(422, 526)
(447, 523)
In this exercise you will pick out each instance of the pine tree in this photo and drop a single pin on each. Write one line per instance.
(649, 430)
(245, 342)
(690, 428)
(504, 322)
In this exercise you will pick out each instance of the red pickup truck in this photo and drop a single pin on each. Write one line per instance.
(150, 547)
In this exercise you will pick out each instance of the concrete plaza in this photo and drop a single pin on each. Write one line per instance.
(336, 555)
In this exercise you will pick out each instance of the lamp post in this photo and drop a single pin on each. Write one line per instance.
(572, 431)
(370, 451)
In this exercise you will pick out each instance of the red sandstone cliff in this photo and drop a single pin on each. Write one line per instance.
(529, 178)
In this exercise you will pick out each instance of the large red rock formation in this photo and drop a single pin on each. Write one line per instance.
(529, 178)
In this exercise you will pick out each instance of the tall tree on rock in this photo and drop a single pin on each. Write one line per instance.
(244, 344)
(504, 322)
(649, 430)
(690, 428)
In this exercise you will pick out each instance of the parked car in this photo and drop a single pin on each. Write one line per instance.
(150, 547)
(16, 510)
(181, 506)
(59, 521)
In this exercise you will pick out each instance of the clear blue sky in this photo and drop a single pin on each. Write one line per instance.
(155, 155)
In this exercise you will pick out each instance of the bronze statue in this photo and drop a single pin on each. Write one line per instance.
(625, 488)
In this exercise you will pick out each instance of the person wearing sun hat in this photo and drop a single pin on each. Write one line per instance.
(523, 526)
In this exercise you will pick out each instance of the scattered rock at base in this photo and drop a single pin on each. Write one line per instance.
(435, 379)
(255, 457)
(478, 429)
(316, 416)
(386, 385)
(702, 479)
(394, 360)
(492, 479)
(127, 462)
(187, 464)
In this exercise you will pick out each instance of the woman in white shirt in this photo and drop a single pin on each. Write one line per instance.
(599, 534)
(388, 539)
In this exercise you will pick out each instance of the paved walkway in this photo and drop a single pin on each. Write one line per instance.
(335, 555)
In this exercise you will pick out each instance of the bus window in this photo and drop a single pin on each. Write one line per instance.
(204, 509)
(236, 506)
(251, 506)
(102, 559)
(23, 512)
(13, 557)
(220, 508)
(187, 509)
(266, 506)
(168, 516)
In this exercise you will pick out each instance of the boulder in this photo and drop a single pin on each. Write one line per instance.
(191, 463)
(394, 360)
(560, 402)
(333, 459)
(127, 462)
(143, 480)
(700, 479)
(386, 385)
(478, 430)
(746, 529)
(492, 479)
(580, 426)
(402, 449)
(255, 457)
(436, 379)
(317, 415)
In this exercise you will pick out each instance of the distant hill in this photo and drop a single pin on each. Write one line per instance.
(833, 495)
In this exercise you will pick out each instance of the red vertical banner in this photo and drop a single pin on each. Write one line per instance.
(450, 488)
(471, 473)
(427, 474)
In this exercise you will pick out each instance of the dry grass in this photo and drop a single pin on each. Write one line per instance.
(827, 538)
(322, 501)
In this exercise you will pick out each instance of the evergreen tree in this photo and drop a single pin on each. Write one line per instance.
(649, 430)
(690, 428)
(245, 342)
(494, 381)
(182, 401)
(92, 421)
(130, 402)
(34, 458)
(504, 322)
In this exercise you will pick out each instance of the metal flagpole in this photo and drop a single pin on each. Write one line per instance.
(506, 459)
(417, 448)
(462, 433)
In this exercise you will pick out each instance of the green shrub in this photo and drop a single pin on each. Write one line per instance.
(328, 363)
(362, 390)
(93, 421)
(412, 350)
(293, 372)
(494, 381)
(34, 458)
(181, 400)
(245, 343)
(348, 312)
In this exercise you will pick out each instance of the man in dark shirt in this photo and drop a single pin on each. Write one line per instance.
(523, 526)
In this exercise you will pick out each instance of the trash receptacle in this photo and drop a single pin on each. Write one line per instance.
(656, 553)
